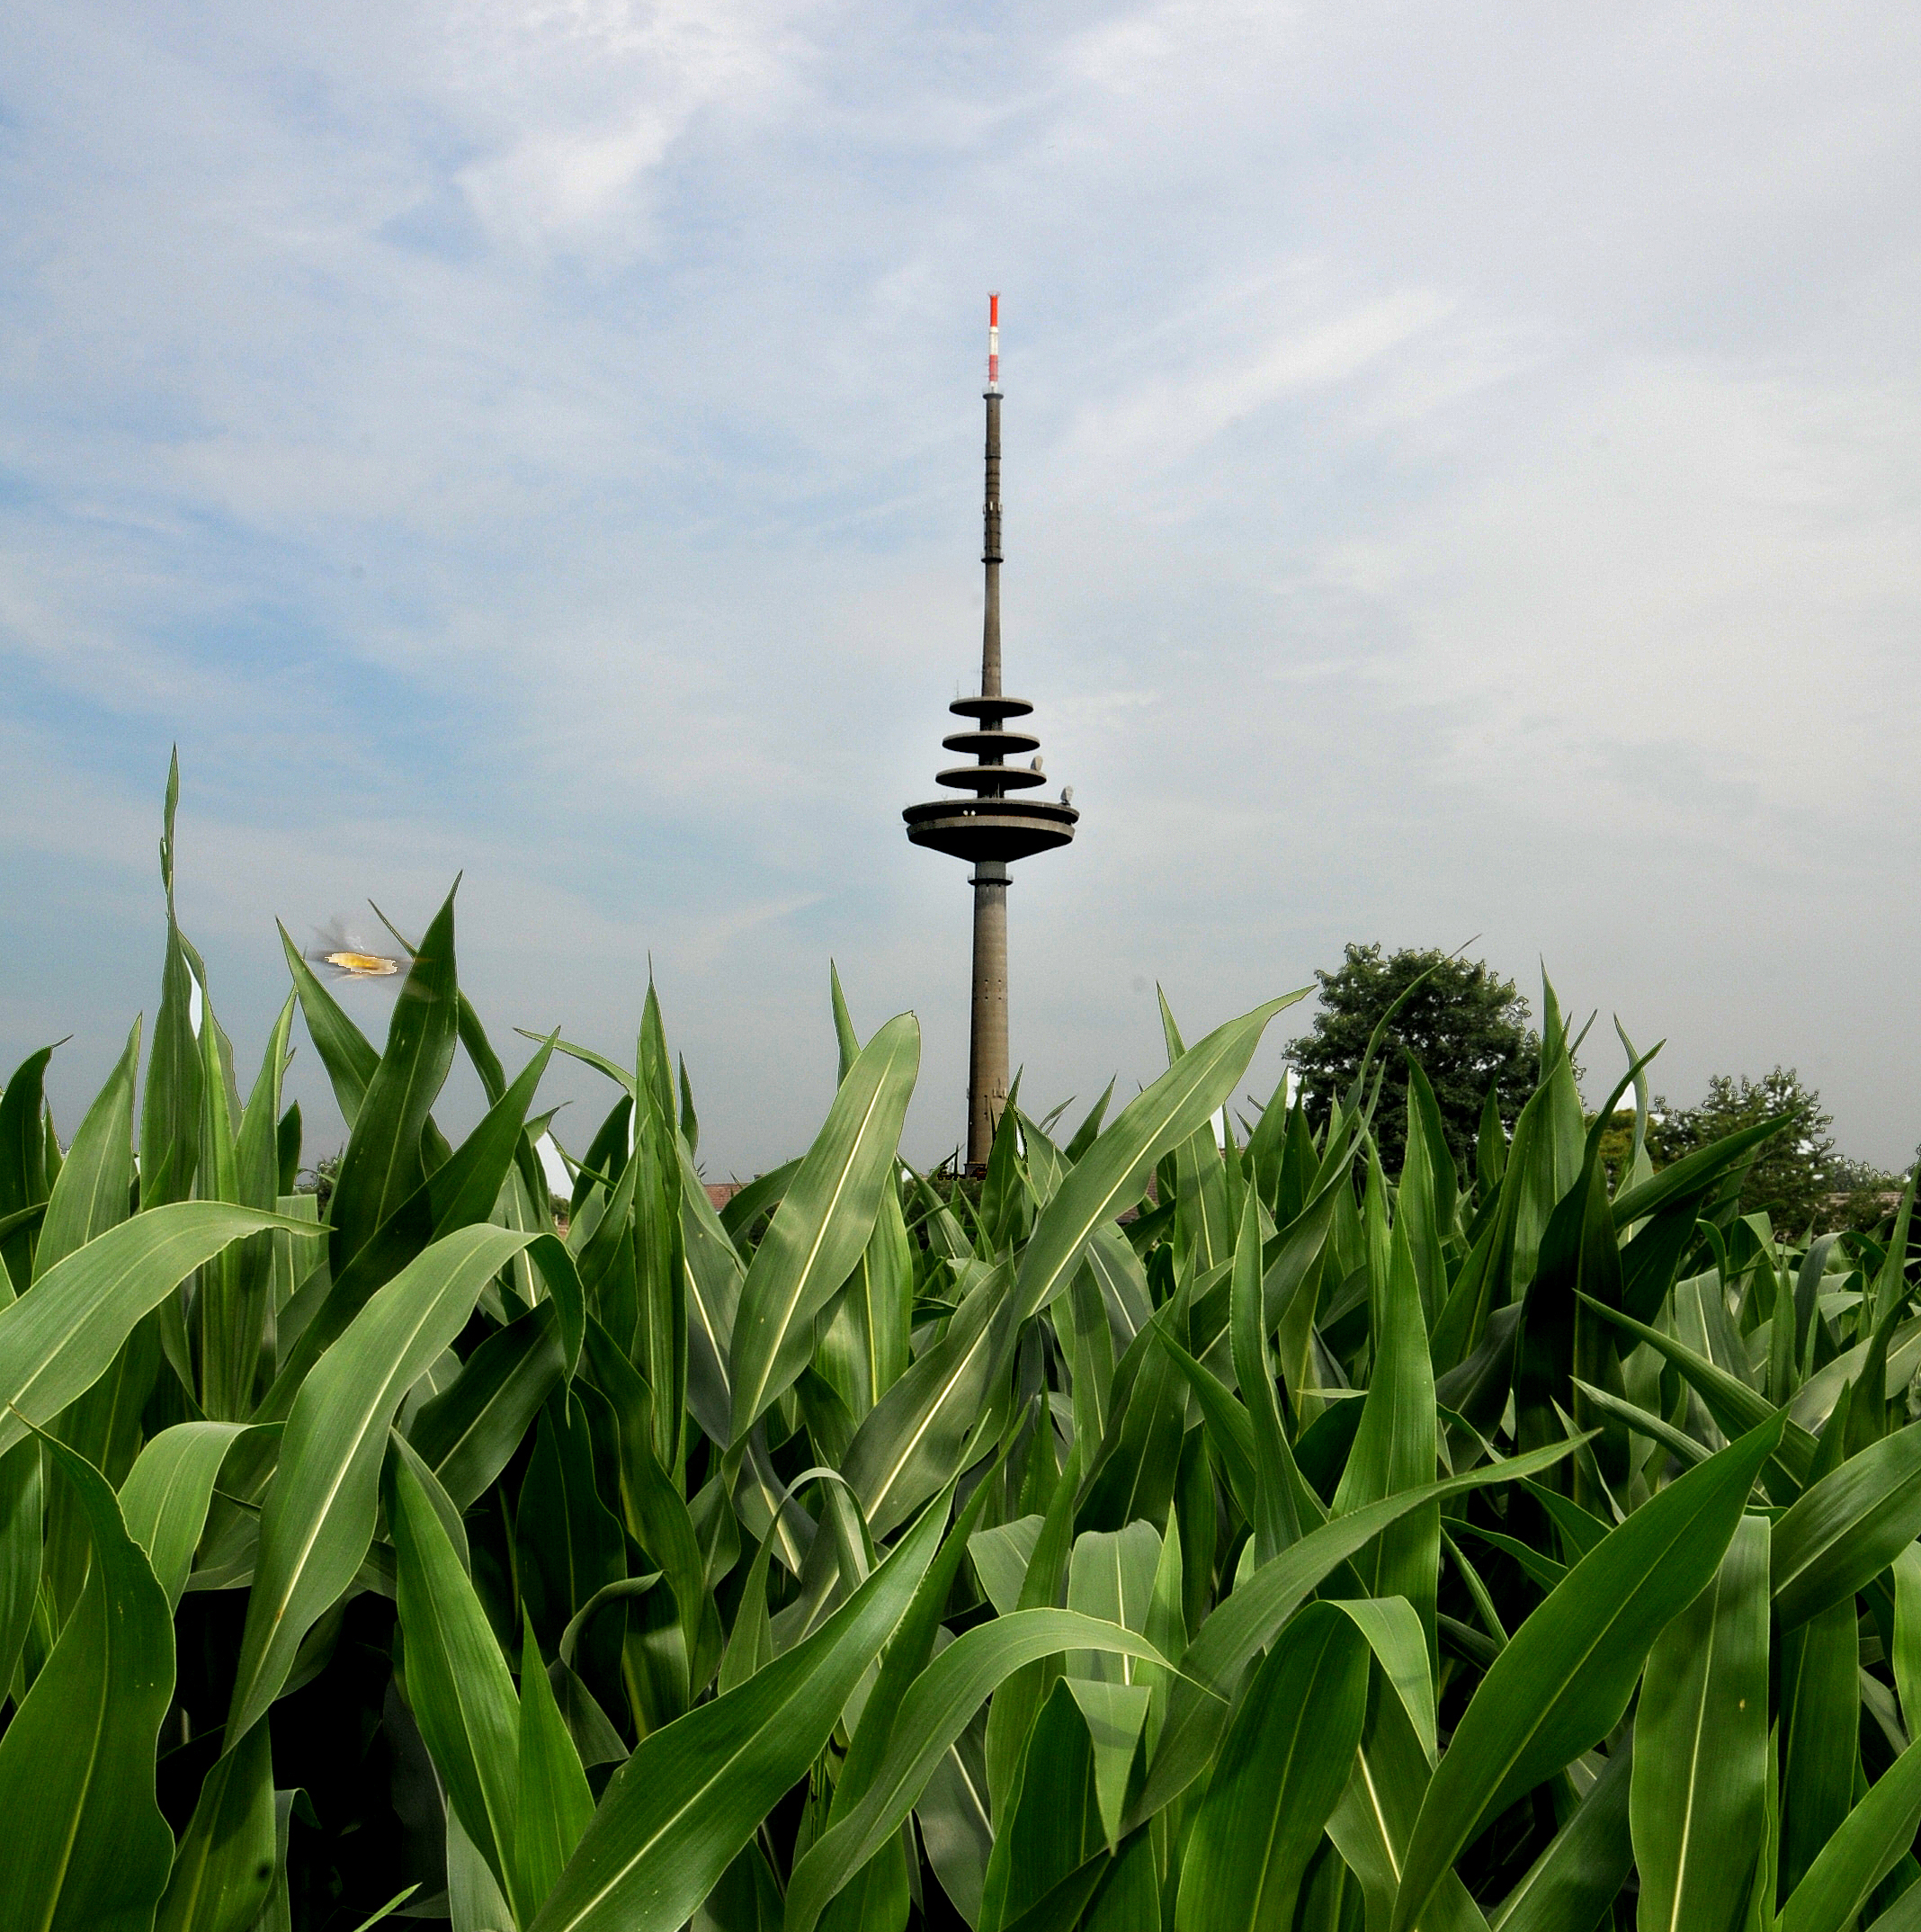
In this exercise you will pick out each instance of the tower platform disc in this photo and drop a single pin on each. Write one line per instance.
(998, 746)
(990, 778)
(990, 708)
(991, 828)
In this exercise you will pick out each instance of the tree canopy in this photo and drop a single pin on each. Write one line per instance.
(1804, 1184)
(1465, 1025)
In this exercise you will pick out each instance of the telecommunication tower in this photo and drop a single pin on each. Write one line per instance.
(994, 826)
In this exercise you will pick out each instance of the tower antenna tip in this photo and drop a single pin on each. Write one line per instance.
(993, 338)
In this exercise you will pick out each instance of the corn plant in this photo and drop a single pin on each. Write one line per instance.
(1191, 1527)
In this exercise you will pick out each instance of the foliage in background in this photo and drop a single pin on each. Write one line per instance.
(1463, 1023)
(1791, 1177)
(1798, 1177)
(1300, 1543)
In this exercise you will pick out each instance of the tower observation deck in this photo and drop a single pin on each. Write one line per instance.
(997, 825)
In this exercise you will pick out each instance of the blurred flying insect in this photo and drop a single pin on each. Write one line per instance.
(349, 957)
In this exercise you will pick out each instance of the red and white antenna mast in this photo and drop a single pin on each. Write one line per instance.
(993, 340)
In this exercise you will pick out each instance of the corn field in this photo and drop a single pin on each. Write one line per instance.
(1194, 1527)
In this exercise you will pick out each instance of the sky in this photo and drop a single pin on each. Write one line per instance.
(1463, 482)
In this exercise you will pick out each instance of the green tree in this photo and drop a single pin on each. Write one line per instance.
(1465, 1025)
(1796, 1175)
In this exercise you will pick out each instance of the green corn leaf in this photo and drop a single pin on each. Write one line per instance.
(937, 1708)
(1109, 1177)
(1906, 1652)
(1048, 1843)
(1566, 1676)
(383, 1164)
(224, 1868)
(567, 1540)
(244, 1167)
(1815, 1399)
(318, 1516)
(654, 1062)
(463, 1190)
(24, 1178)
(60, 1336)
(1170, 1031)
(1395, 1444)
(217, 1178)
(750, 1644)
(620, 1077)
(760, 1197)
(1695, 1174)
(954, 1827)
(1848, 1527)
(458, 1683)
(1820, 1723)
(1293, 1264)
(468, 1432)
(1701, 1746)
(21, 1217)
(912, 1440)
(1089, 1343)
(1005, 1195)
(865, 1351)
(459, 1192)
(689, 1121)
(1284, 1764)
(22, 1548)
(165, 1495)
(475, 1901)
(679, 1809)
(1903, 1916)
(1490, 1145)
(1203, 1233)
(1137, 1463)
(660, 1342)
(1484, 1284)
(91, 1193)
(1861, 1854)
(1114, 1716)
(657, 1513)
(444, 1506)
(1674, 1441)
(1575, 1880)
(348, 1055)
(1017, 1702)
(1122, 1282)
(1246, 1621)
(1277, 1517)
(1373, 1818)
(1431, 1199)
(621, 1589)
(1391, 1628)
(915, 1643)
(554, 1805)
(86, 1847)
(1111, 1577)
(1736, 1408)
(714, 1276)
(873, 1894)
(1229, 1426)
(1089, 1131)
(170, 1108)
(823, 1222)
(1544, 1569)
